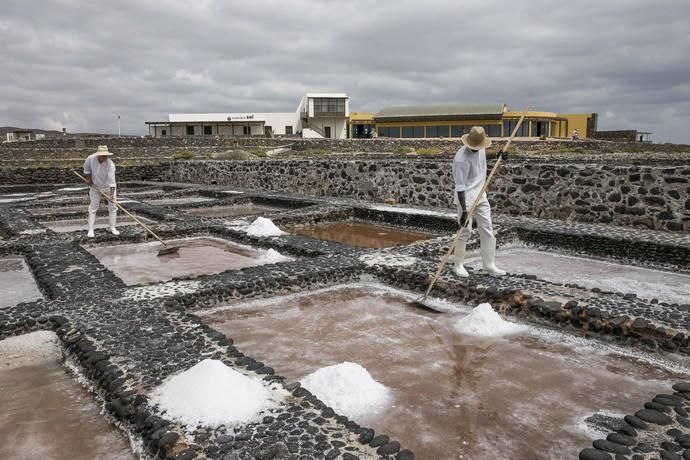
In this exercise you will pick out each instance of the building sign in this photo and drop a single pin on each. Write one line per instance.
(249, 116)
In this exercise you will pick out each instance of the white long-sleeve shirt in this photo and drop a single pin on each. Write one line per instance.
(469, 173)
(102, 174)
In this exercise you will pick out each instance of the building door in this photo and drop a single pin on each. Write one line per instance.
(327, 132)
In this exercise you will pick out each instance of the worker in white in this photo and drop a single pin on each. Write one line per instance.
(99, 170)
(469, 174)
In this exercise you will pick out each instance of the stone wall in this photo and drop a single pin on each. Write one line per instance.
(58, 175)
(626, 135)
(656, 197)
(135, 147)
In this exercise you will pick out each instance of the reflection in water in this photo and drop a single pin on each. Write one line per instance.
(139, 263)
(361, 234)
(645, 282)
(17, 284)
(455, 396)
(45, 414)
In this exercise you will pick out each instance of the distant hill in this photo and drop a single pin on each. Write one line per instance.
(48, 132)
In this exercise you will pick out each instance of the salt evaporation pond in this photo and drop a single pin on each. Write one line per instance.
(17, 284)
(453, 395)
(361, 234)
(46, 414)
(646, 283)
(139, 262)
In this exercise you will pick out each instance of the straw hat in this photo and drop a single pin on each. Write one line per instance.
(476, 139)
(103, 150)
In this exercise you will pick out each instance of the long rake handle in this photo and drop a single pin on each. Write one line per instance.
(474, 206)
(121, 208)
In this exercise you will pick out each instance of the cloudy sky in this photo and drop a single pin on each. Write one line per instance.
(78, 64)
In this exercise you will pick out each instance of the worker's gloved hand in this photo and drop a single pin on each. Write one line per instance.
(463, 217)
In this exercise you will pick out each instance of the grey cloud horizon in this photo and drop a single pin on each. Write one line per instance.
(78, 64)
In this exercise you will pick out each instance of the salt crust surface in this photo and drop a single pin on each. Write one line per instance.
(395, 260)
(28, 349)
(264, 227)
(211, 393)
(349, 389)
(483, 321)
(413, 211)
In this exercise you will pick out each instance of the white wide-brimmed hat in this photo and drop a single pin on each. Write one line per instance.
(476, 139)
(103, 150)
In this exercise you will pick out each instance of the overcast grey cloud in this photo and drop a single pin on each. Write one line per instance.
(78, 64)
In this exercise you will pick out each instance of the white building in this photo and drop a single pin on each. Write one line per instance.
(318, 115)
(24, 135)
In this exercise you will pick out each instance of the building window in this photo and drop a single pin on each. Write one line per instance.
(459, 130)
(329, 105)
(288, 130)
(413, 131)
(247, 130)
(163, 132)
(390, 131)
(437, 131)
(493, 130)
(509, 126)
(190, 130)
(208, 130)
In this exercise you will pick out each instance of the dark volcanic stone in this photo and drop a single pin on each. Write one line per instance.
(657, 406)
(609, 446)
(389, 448)
(379, 440)
(405, 455)
(670, 446)
(366, 436)
(621, 439)
(653, 416)
(684, 421)
(635, 422)
(594, 454)
(668, 400)
(682, 387)
(666, 455)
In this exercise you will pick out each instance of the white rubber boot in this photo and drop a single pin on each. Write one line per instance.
(488, 251)
(112, 219)
(459, 268)
(92, 222)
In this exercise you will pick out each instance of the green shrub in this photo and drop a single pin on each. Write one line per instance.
(403, 150)
(184, 155)
(429, 151)
(257, 152)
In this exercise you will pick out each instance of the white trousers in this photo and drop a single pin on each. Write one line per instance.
(96, 200)
(483, 216)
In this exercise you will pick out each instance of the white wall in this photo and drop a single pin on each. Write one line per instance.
(338, 126)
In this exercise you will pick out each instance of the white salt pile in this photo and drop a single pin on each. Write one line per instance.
(348, 389)
(271, 256)
(483, 321)
(264, 227)
(211, 393)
